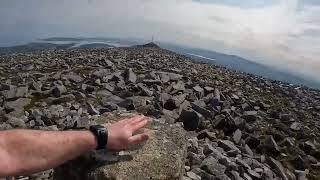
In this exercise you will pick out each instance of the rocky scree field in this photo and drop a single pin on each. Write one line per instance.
(238, 126)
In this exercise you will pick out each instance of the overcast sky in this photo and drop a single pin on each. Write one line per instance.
(281, 33)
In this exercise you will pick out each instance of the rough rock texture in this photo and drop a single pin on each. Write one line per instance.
(237, 125)
(161, 157)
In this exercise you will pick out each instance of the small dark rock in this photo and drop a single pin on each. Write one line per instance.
(191, 119)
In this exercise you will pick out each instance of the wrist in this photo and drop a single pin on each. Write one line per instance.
(91, 140)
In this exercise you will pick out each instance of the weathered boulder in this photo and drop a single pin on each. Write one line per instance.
(16, 107)
(161, 157)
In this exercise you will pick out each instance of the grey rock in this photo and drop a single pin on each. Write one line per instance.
(296, 126)
(234, 175)
(242, 163)
(109, 87)
(212, 166)
(173, 102)
(193, 176)
(72, 77)
(88, 88)
(108, 63)
(206, 134)
(194, 159)
(248, 150)
(193, 145)
(300, 175)
(5, 87)
(16, 122)
(203, 111)
(145, 91)
(254, 174)
(31, 124)
(83, 122)
(199, 91)
(130, 76)
(58, 90)
(79, 95)
(62, 99)
(250, 115)
(237, 136)
(103, 93)
(92, 110)
(208, 89)
(178, 87)
(228, 145)
(278, 168)
(150, 82)
(271, 145)
(36, 86)
(252, 141)
(9, 94)
(101, 73)
(17, 106)
(186, 178)
(247, 177)
(208, 149)
(111, 99)
(21, 92)
(222, 177)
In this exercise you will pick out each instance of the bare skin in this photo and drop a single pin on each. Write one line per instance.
(24, 152)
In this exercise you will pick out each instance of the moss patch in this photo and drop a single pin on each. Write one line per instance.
(34, 100)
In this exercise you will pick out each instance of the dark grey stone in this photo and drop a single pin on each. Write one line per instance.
(191, 119)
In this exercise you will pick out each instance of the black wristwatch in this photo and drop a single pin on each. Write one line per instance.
(101, 134)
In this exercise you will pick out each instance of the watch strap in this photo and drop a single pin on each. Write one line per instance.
(101, 134)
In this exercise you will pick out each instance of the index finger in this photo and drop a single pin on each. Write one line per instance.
(135, 127)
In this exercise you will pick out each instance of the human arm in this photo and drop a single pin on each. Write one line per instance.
(24, 152)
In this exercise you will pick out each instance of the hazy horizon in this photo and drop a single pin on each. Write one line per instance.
(279, 33)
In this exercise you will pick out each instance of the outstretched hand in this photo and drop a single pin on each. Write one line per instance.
(120, 134)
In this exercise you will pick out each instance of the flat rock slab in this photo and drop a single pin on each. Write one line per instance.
(161, 157)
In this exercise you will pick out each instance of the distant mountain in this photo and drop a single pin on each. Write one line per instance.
(40, 46)
(240, 64)
(96, 45)
(32, 47)
(150, 45)
(62, 39)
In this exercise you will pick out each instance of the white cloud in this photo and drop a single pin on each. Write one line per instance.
(278, 34)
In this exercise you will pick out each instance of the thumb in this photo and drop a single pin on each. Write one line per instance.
(138, 138)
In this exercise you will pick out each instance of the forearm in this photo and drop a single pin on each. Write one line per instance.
(29, 151)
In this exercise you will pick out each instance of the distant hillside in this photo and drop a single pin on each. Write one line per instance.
(96, 45)
(62, 39)
(31, 47)
(240, 64)
(150, 45)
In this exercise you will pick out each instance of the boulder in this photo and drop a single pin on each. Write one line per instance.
(237, 136)
(59, 90)
(212, 166)
(161, 157)
(271, 145)
(199, 91)
(15, 122)
(72, 77)
(278, 168)
(130, 76)
(250, 115)
(16, 107)
(191, 119)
